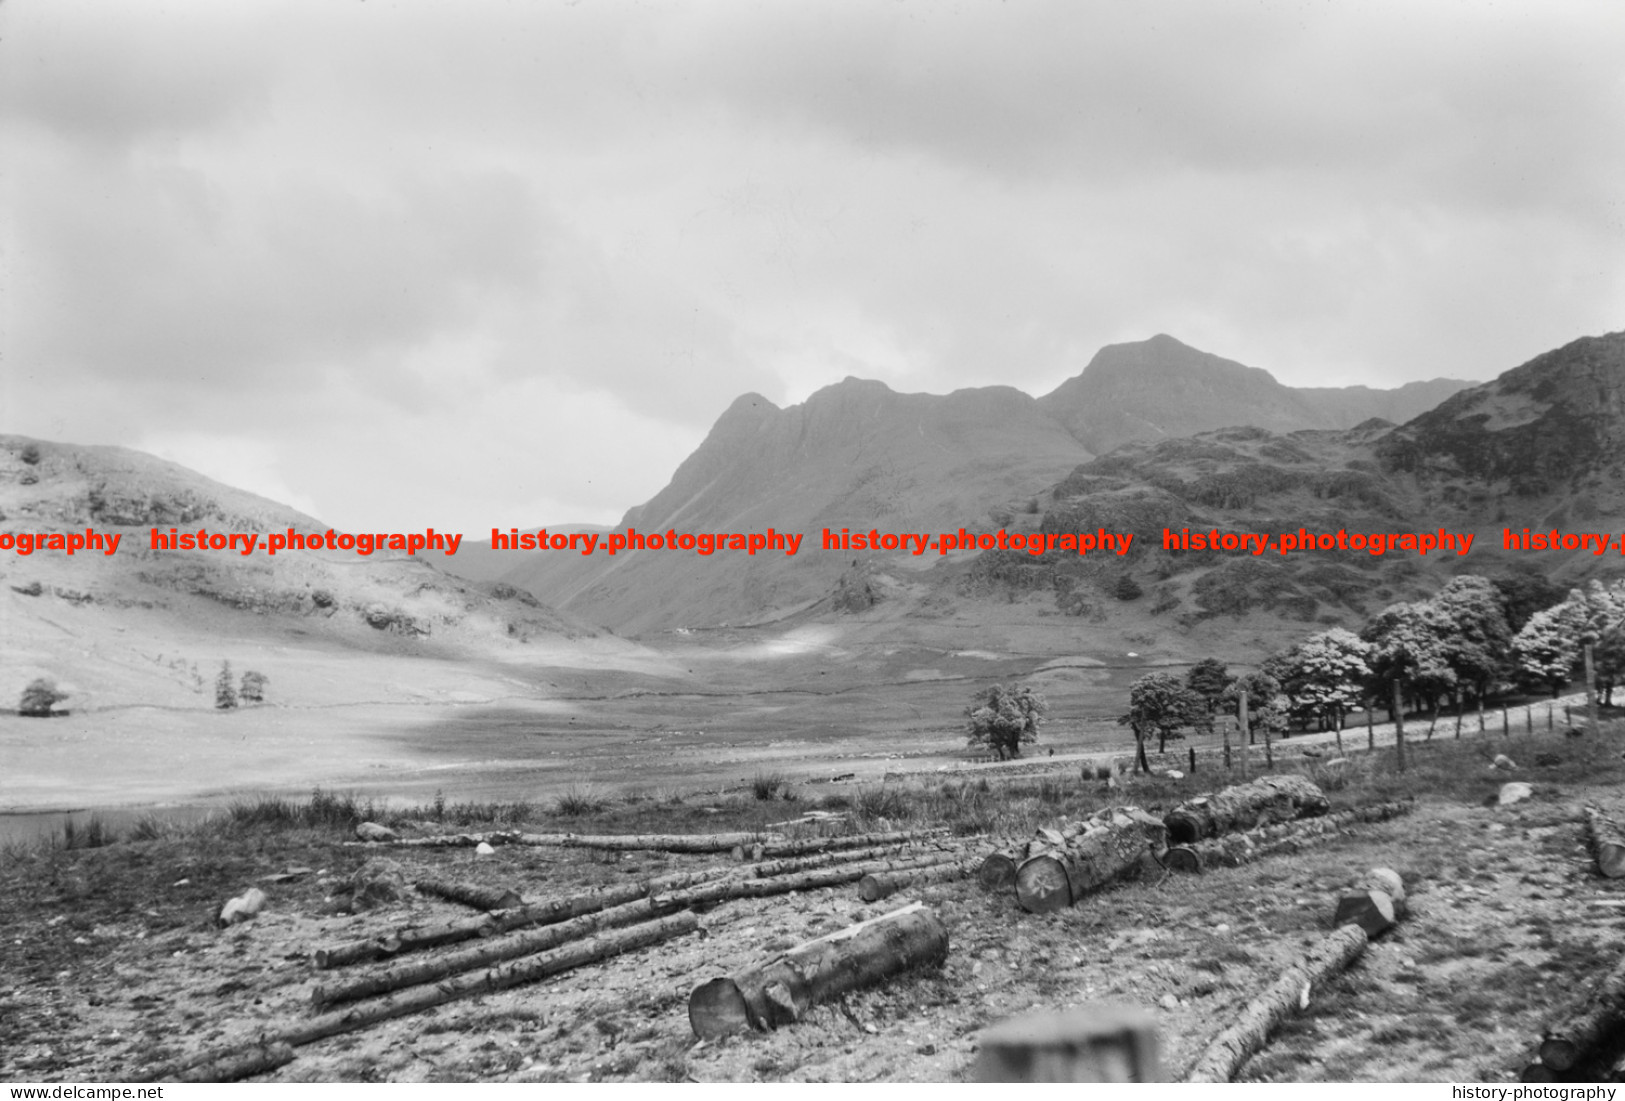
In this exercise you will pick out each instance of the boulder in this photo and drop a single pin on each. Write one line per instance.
(376, 883)
(372, 831)
(1503, 763)
(243, 907)
(1514, 793)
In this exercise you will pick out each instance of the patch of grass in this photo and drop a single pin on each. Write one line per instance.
(92, 835)
(580, 799)
(325, 810)
(767, 786)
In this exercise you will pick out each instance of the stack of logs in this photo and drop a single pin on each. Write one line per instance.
(1064, 863)
(512, 942)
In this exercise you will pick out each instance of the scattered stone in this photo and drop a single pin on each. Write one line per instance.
(243, 907)
(377, 882)
(484, 849)
(1168, 1001)
(1514, 793)
(1311, 751)
(1174, 774)
(1503, 763)
(372, 831)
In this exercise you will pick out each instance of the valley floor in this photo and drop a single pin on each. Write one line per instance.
(113, 963)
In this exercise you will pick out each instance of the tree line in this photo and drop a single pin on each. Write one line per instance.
(1474, 640)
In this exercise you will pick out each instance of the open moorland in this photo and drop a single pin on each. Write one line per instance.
(117, 968)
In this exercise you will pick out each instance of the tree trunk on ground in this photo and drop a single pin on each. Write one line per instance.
(1372, 911)
(1575, 1039)
(472, 894)
(1227, 1051)
(1236, 849)
(794, 864)
(784, 884)
(420, 998)
(449, 840)
(878, 885)
(670, 843)
(1607, 843)
(781, 991)
(418, 938)
(230, 1066)
(997, 871)
(1087, 863)
(1267, 799)
(759, 851)
(486, 953)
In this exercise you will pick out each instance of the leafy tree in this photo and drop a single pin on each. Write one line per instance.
(225, 691)
(1208, 678)
(1324, 676)
(1524, 593)
(39, 697)
(1408, 649)
(253, 685)
(1161, 704)
(1266, 703)
(1547, 649)
(1472, 625)
(1001, 719)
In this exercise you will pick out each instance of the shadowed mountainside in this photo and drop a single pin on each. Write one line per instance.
(861, 456)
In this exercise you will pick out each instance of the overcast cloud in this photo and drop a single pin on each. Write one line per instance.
(472, 264)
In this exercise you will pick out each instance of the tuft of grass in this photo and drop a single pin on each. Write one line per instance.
(580, 799)
(767, 785)
(325, 810)
(94, 834)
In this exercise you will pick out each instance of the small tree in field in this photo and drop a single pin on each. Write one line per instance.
(39, 697)
(225, 690)
(252, 689)
(1001, 719)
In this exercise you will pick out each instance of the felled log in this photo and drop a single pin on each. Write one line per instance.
(1097, 1043)
(1088, 862)
(1607, 843)
(528, 970)
(757, 849)
(1244, 806)
(231, 1066)
(947, 848)
(1372, 911)
(1601, 1014)
(1227, 1051)
(781, 991)
(653, 842)
(418, 938)
(727, 889)
(1234, 850)
(472, 894)
(997, 871)
(878, 885)
(484, 954)
(457, 840)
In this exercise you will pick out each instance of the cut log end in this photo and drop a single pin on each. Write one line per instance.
(1537, 1072)
(1372, 911)
(718, 1009)
(997, 873)
(1183, 828)
(1559, 1053)
(1182, 858)
(1042, 886)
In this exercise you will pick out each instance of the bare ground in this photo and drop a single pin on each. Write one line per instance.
(111, 963)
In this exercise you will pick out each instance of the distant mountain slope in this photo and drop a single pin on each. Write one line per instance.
(860, 455)
(1555, 424)
(856, 454)
(58, 613)
(1163, 389)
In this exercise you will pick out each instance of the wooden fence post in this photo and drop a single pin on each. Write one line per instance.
(1399, 725)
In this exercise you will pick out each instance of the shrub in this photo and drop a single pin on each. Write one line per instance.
(30, 454)
(579, 799)
(765, 785)
(225, 692)
(39, 697)
(253, 686)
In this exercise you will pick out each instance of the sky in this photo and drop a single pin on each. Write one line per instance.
(472, 263)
